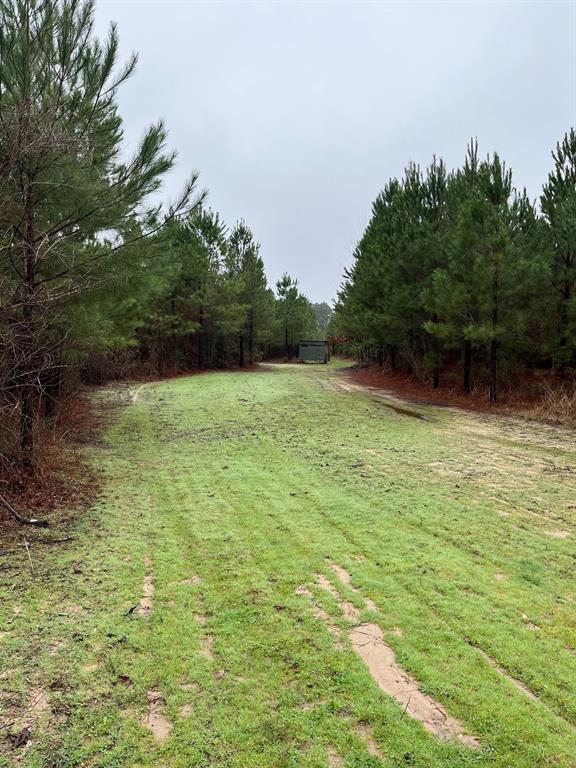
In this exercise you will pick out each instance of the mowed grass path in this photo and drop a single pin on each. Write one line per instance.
(228, 492)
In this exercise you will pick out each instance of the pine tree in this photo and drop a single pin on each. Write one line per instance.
(558, 202)
(295, 313)
(256, 299)
(63, 184)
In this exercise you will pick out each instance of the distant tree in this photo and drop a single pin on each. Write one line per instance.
(294, 311)
(322, 315)
(256, 299)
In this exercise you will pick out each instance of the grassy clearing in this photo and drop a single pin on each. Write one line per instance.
(231, 491)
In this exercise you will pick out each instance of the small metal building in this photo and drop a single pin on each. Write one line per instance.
(313, 351)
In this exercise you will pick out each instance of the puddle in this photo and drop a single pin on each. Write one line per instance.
(367, 641)
(400, 410)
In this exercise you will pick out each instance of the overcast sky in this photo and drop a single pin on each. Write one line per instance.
(296, 113)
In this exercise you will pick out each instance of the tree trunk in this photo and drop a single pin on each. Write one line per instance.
(27, 427)
(251, 342)
(493, 341)
(467, 365)
(393, 357)
(51, 393)
(286, 348)
(28, 376)
(241, 350)
(493, 371)
(201, 352)
(564, 321)
(436, 377)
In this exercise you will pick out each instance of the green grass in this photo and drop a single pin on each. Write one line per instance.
(254, 482)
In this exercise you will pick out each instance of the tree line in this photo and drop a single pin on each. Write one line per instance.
(98, 279)
(460, 270)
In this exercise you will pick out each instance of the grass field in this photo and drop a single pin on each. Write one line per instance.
(202, 615)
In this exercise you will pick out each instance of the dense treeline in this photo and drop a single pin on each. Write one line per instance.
(460, 268)
(95, 279)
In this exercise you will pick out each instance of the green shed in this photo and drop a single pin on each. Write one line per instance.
(313, 351)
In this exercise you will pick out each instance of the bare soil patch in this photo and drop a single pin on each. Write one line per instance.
(558, 534)
(350, 611)
(346, 579)
(207, 647)
(190, 687)
(366, 733)
(334, 759)
(154, 720)
(321, 615)
(146, 601)
(367, 640)
(192, 581)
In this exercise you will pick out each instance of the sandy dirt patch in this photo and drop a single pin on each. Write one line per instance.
(367, 641)
(154, 720)
(365, 732)
(191, 581)
(350, 611)
(345, 578)
(146, 601)
(334, 759)
(206, 650)
(321, 615)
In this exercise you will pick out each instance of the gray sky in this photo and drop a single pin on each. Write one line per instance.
(296, 113)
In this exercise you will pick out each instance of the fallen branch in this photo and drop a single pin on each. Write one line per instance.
(53, 541)
(20, 518)
(29, 555)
